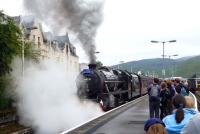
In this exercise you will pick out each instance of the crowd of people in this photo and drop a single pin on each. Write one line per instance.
(172, 110)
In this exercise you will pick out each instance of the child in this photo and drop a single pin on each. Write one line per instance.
(154, 126)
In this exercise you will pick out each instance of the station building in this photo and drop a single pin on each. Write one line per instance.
(51, 46)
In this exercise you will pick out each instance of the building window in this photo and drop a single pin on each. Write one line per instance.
(66, 48)
(34, 38)
(39, 43)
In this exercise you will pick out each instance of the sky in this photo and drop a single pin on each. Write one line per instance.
(129, 25)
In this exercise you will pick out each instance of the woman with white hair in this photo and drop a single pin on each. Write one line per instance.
(192, 127)
(181, 115)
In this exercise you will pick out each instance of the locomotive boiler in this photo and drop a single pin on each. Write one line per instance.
(109, 87)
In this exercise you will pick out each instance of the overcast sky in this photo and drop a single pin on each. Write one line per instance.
(130, 25)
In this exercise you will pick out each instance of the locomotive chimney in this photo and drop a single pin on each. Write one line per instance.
(92, 66)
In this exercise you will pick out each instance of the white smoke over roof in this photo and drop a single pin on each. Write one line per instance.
(79, 16)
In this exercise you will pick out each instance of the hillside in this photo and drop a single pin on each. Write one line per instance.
(188, 67)
(184, 67)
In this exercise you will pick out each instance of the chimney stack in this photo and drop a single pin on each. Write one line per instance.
(92, 66)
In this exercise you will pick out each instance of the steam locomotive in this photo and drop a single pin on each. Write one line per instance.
(110, 87)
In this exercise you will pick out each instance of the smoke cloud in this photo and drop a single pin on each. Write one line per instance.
(46, 98)
(82, 17)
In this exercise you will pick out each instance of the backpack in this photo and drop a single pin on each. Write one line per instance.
(184, 91)
(166, 96)
(154, 92)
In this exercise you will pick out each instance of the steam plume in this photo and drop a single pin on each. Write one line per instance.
(80, 16)
(46, 98)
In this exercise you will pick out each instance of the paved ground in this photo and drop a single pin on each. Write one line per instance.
(128, 122)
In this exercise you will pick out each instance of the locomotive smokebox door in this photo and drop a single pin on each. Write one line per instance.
(92, 66)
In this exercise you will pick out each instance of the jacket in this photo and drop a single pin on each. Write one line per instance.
(175, 128)
(193, 126)
(154, 98)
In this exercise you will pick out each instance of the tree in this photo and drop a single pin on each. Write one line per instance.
(30, 52)
(11, 46)
(10, 40)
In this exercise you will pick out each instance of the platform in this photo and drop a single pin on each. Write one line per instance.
(126, 119)
(129, 122)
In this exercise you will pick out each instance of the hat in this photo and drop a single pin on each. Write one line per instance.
(152, 121)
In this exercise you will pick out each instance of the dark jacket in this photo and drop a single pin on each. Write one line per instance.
(165, 97)
(179, 86)
(172, 91)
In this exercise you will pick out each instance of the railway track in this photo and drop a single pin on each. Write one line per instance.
(92, 125)
(9, 123)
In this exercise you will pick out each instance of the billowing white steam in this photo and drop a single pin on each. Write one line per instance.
(82, 17)
(47, 98)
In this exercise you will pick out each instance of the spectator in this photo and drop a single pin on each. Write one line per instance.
(154, 126)
(189, 102)
(193, 126)
(185, 83)
(180, 88)
(154, 99)
(177, 85)
(172, 93)
(165, 99)
(171, 88)
(173, 83)
(175, 122)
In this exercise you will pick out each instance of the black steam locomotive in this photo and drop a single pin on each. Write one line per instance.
(110, 87)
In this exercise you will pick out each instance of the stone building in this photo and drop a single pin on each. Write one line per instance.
(58, 48)
(61, 49)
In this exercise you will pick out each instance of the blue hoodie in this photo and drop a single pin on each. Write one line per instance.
(170, 121)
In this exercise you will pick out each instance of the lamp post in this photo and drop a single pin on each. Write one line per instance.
(173, 65)
(163, 55)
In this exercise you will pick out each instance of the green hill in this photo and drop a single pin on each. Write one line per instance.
(188, 67)
(184, 67)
